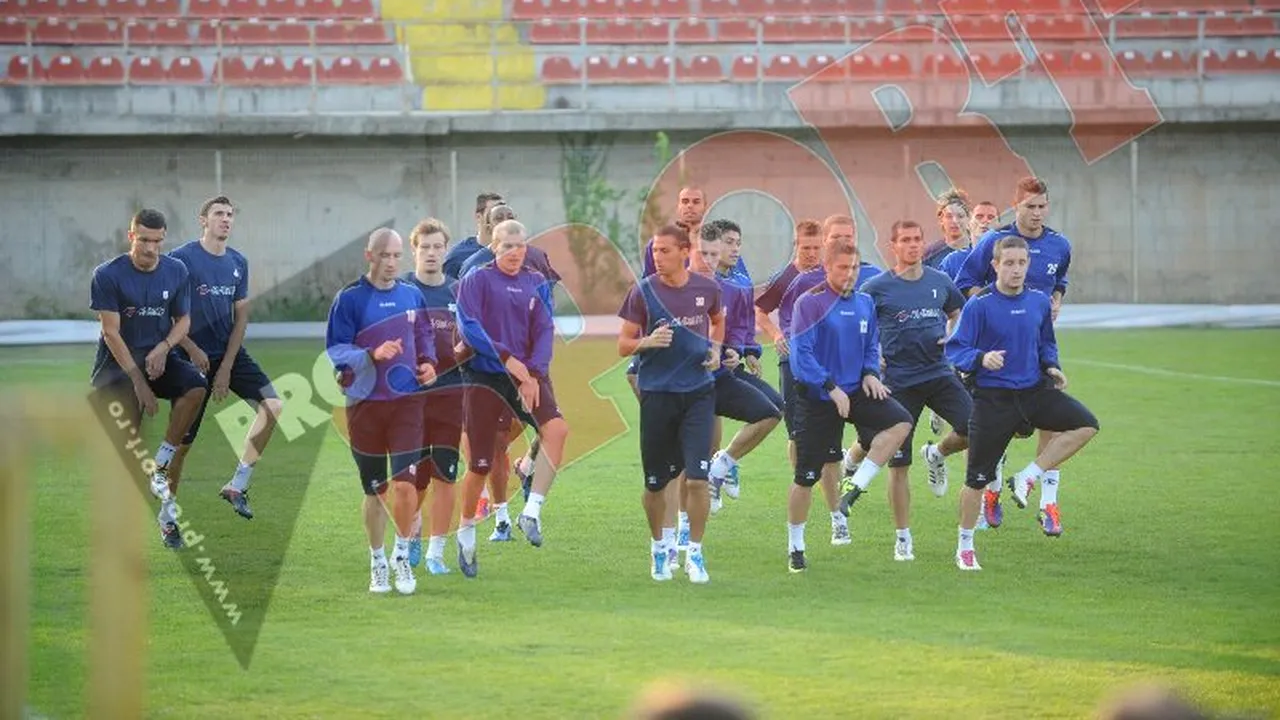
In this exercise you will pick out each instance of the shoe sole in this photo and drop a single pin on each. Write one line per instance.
(1022, 504)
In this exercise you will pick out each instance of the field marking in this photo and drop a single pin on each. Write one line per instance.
(1176, 373)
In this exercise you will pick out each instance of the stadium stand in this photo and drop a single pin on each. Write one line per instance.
(491, 55)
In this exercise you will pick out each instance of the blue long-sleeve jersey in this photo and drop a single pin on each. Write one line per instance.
(458, 255)
(1021, 325)
(362, 318)
(1049, 259)
(835, 340)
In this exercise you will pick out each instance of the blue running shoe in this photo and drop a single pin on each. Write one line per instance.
(436, 566)
(501, 532)
(531, 528)
(469, 569)
(415, 551)
(171, 535)
(239, 501)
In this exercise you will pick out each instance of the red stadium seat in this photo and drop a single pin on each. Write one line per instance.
(992, 69)
(369, 32)
(280, 9)
(908, 8)
(1271, 61)
(970, 7)
(83, 8)
(569, 9)
(670, 9)
(548, 32)
(736, 31)
(1193, 5)
(147, 70)
(652, 31)
(943, 65)
(98, 32)
(1171, 63)
(13, 31)
(870, 28)
(557, 70)
(809, 30)
(527, 10)
(1147, 25)
(160, 8)
(292, 32)
(54, 31)
(345, 70)
(1086, 63)
(304, 71)
(186, 70)
(1235, 62)
(895, 67)
(716, 9)
(42, 8)
(597, 69)
(1062, 27)
(104, 71)
(986, 27)
(269, 70)
(858, 66)
(385, 71)
(171, 32)
(24, 69)
(1133, 63)
(332, 32)
(637, 70)
(232, 71)
(601, 9)
(785, 67)
(818, 63)
(248, 33)
(789, 8)
(1240, 26)
(745, 68)
(357, 9)
(692, 30)
(216, 32)
(617, 31)
(204, 8)
(702, 68)
(777, 30)
(242, 9)
(12, 8)
(123, 8)
(65, 70)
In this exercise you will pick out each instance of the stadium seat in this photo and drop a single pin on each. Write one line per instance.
(280, 9)
(98, 32)
(601, 9)
(702, 68)
(1271, 61)
(745, 68)
(356, 9)
(558, 70)
(292, 32)
(1133, 63)
(776, 30)
(24, 69)
(104, 71)
(214, 32)
(42, 8)
(1049, 8)
(369, 31)
(171, 32)
(1193, 5)
(1086, 63)
(548, 32)
(248, 33)
(616, 31)
(651, 31)
(186, 70)
(146, 70)
(1235, 62)
(1147, 25)
(943, 65)
(598, 69)
(13, 31)
(160, 8)
(736, 31)
(716, 9)
(269, 70)
(54, 31)
(242, 9)
(818, 63)
(895, 67)
(83, 8)
(232, 71)
(385, 71)
(665, 8)
(301, 72)
(65, 70)
(969, 7)
(204, 8)
(693, 31)
(809, 30)
(635, 69)
(785, 68)
(1240, 26)
(345, 70)
(856, 66)
(1062, 27)
(569, 9)
(1171, 63)
(1000, 66)
(987, 27)
(332, 32)
(523, 10)
(870, 28)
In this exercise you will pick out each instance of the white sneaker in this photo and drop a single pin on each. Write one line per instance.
(660, 565)
(967, 560)
(935, 423)
(840, 534)
(160, 485)
(847, 464)
(379, 578)
(1021, 488)
(696, 568)
(406, 583)
(717, 502)
(937, 469)
(1000, 466)
(903, 551)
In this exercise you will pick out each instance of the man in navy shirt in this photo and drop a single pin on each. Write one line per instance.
(835, 357)
(380, 341)
(736, 399)
(219, 279)
(673, 321)
(1050, 259)
(1005, 340)
(504, 314)
(144, 305)
(442, 409)
(464, 249)
(914, 305)
(953, 220)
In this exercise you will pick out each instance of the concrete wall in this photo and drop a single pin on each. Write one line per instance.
(1201, 224)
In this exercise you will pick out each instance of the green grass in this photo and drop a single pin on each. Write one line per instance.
(1169, 571)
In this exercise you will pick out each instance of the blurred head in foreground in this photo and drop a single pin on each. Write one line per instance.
(674, 702)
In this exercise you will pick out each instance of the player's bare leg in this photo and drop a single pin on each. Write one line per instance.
(883, 446)
(166, 488)
(799, 500)
(403, 512)
(554, 433)
(236, 491)
(697, 503)
(441, 514)
(1055, 451)
(473, 484)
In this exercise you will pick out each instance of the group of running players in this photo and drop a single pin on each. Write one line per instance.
(453, 359)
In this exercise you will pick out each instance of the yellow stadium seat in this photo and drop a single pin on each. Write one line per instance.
(483, 97)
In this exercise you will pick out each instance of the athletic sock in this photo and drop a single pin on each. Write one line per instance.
(904, 535)
(1031, 472)
(402, 548)
(669, 537)
(866, 471)
(657, 546)
(533, 508)
(501, 515)
(795, 537)
(240, 480)
(695, 548)
(168, 511)
(966, 539)
(377, 556)
(994, 485)
(722, 464)
(164, 455)
(435, 547)
(1049, 488)
(683, 520)
(467, 536)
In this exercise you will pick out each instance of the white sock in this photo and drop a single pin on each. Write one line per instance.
(467, 536)
(694, 548)
(683, 520)
(164, 455)
(994, 485)
(416, 530)
(402, 548)
(377, 556)
(524, 465)
(240, 480)
(502, 516)
(866, 471)
(904, 535)
(838, 520)
(657, 546)
(795, 537)
(966, 539)
(1031, 472)
(533, 508)
(435, 547)
(669, 537)
(167, 512)
(722, 464)
(1049, 488)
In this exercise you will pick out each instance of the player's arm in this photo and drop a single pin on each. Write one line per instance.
(871, 355)
(470, 308)
(804, 359)
(110, 321)
(1048, 345)
(952, 307)
(543, 326)
(962, 347)
(634, 315)
(340, 337)
(1060, 283)
(972, 276)
(180, 312)
(766, 304)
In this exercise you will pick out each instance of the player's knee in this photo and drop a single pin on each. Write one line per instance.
(554, 430)
(373, 486)
(899, 432)
(656, 483)
(446, 464)
(273, 407)
(977, 481)
(195, 394)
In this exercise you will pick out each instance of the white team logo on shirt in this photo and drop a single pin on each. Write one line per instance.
(235, 273)
(699, 301)
(862, 326)
(412, 315)
(453, 307)
(164, 295)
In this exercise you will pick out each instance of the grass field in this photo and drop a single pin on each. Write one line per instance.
(1169, 570)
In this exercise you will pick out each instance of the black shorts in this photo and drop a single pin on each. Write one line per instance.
(822, 441)
(248, 382)
(179, 378)
(762, 385)
(491, 400)
(382, 430)
(737, 399)
(945, 396)
(441, 434)
(786, 389)
(675, 435)
(999, 413)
